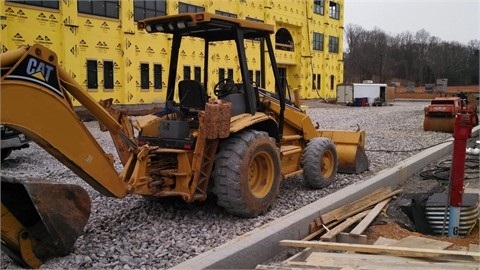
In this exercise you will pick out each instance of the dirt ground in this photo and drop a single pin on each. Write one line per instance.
(472, 92)
(394, 231)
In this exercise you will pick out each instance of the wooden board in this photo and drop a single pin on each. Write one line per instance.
(421, 242)
(374, 249)
(320, 230)
(382, 241)
(474, 248)
(358, 206)
(363, 225)
(342, 226)
(329, 260)
(352, 239)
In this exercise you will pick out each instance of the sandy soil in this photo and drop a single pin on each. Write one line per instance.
(394, 231)
(419, 93)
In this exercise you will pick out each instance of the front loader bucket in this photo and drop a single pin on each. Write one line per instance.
(441, 124)
(351, 159)
(41, 220)
(350, 150)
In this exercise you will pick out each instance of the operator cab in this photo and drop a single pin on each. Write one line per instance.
(193, 95)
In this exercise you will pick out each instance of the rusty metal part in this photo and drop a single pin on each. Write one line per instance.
(217, 119)
(214, 124)
(440, 114)
(441, 124)
(41, 219)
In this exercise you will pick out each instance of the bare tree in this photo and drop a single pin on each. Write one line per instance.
(418, 57)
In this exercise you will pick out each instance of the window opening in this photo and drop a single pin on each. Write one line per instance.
(317, 41)
(258, 77)
(224, 13)
(284, 40)
(46, 4)
(186, 72)
(221, 74)
(108, 75)
(157, 76)
(188, 8)
(147, 8)
(334, 10)
(333, 44)
(197, 73)
(107, 8)
(318, 6)
(92, 75)
(144, 76)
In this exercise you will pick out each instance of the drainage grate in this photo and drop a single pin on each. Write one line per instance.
(437, 213)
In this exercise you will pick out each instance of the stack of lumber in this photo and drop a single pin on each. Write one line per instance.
(341, 247)
(410, 253)
(363, 211)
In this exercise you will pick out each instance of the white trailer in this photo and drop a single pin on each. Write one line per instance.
(347, 93)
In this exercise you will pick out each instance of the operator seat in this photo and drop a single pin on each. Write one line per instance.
(191, 95)
(192, 98)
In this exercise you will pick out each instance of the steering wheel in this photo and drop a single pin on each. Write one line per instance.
(224, 87)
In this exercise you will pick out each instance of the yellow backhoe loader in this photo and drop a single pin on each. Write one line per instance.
(238, 145)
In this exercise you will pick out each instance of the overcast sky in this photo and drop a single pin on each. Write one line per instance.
(454, 20)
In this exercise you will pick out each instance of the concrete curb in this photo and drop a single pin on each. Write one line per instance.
(261, 244)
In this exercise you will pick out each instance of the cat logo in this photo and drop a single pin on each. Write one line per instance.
(35, 70)
(38, 69)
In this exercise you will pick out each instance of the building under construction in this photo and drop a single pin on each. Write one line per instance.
(98, 43)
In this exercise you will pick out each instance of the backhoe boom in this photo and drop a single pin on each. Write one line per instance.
(48, 118)
(41, 219)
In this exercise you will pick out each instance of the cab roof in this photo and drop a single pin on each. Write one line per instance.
(211, 27)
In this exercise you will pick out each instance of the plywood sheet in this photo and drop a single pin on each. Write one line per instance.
(412, 241)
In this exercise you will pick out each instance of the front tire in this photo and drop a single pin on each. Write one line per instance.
(319, 163)
(246, 173)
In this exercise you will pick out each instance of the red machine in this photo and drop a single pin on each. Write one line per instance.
(440, 114)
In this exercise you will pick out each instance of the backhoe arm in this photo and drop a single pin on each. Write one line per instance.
(42, 219)
(34, 101)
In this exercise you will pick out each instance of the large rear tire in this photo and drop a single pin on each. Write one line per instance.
(246, 173)
(319, 163)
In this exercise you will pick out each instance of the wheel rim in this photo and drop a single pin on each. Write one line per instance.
(261, 175)
(327, 164)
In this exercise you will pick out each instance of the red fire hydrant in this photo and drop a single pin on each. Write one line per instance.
(461, 132)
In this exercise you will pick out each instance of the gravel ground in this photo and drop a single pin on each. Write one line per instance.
(134, 233)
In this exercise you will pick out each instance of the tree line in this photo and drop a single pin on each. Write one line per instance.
(418, 58)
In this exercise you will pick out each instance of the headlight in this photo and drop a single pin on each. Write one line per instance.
(181, 25)
(148, 28)
(159, 28)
